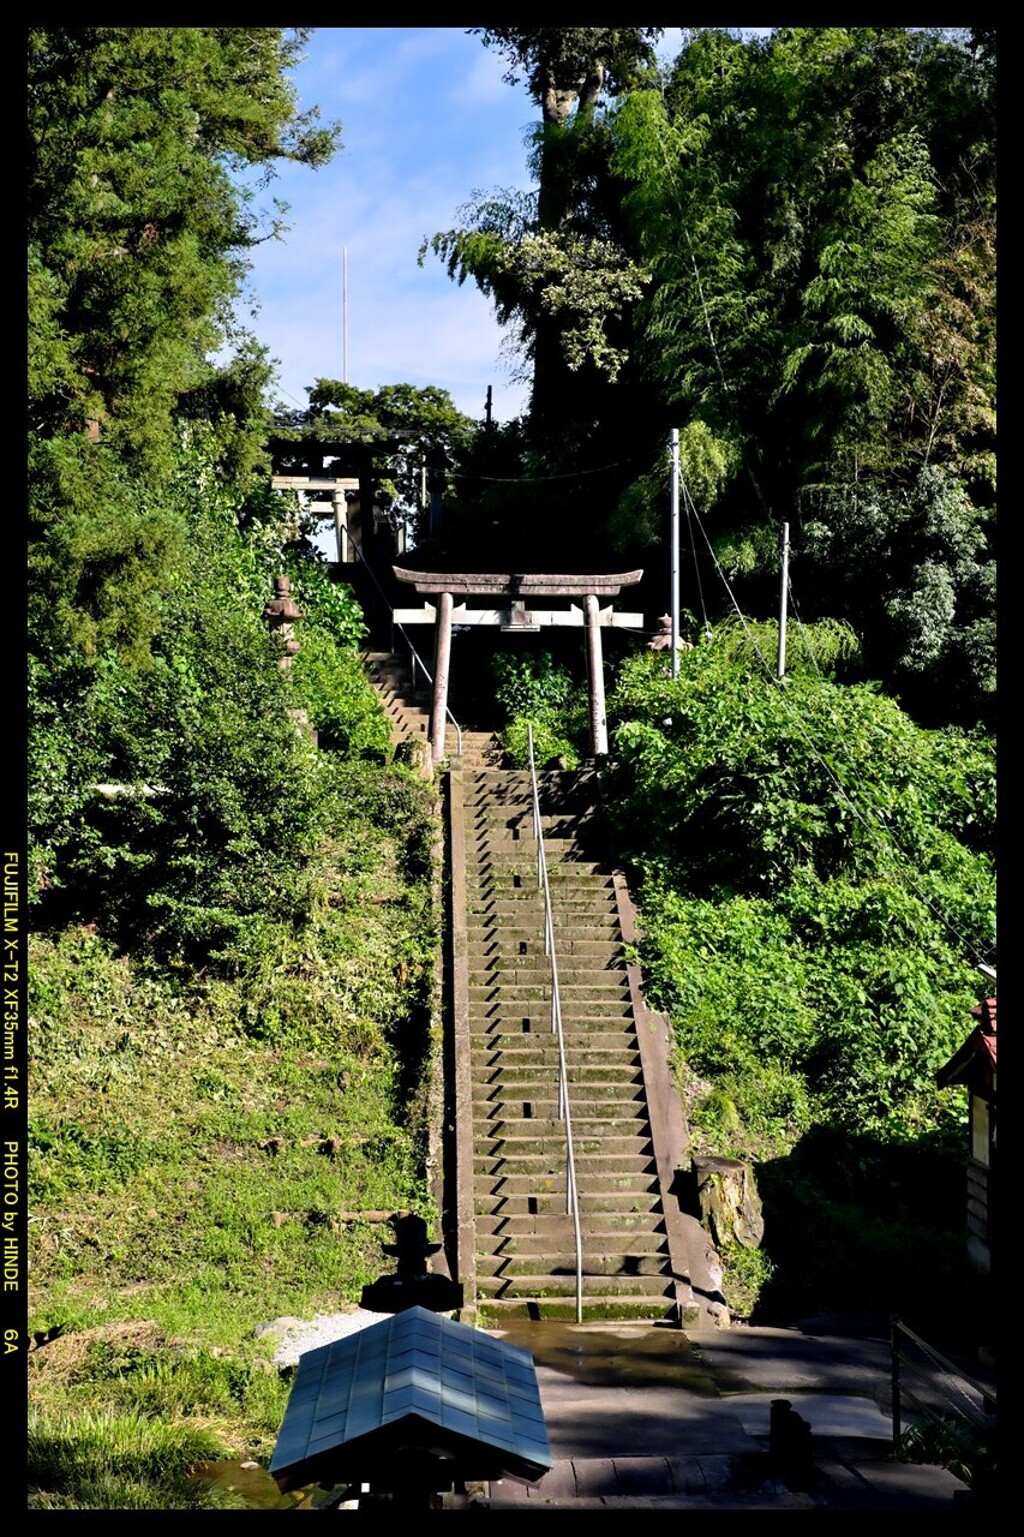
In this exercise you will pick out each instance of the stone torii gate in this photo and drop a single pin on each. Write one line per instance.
(515, 596)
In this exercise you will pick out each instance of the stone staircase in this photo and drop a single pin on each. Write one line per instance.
(516, 1241)
(524, 1257)
(408, 708)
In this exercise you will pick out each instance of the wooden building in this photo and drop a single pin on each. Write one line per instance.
(974, 1066)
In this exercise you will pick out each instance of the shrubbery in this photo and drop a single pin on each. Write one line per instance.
(539, 696)
(821, 887)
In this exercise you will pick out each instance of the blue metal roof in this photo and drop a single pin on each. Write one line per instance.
(419, 1384)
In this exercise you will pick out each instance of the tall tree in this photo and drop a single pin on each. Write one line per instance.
(552, 262)
(137, 239)
(815, 209)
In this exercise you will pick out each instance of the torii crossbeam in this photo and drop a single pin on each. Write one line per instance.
(514, 611)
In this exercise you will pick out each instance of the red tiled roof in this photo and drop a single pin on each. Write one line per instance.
(980, 1044)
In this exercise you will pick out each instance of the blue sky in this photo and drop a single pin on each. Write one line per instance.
(426, 121)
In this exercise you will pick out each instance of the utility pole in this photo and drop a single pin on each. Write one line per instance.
(781, 670)
(674, 550)
(344, 314)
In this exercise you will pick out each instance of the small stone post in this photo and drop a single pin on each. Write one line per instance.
(281, 613)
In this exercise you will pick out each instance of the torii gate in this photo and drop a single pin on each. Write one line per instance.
(514, 592)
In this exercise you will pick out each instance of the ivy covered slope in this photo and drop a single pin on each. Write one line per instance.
(815, 905)
(233, 947)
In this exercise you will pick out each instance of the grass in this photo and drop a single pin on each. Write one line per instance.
(104, 1460)
(207, 1154)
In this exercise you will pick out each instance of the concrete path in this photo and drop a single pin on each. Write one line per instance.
(647, 1417)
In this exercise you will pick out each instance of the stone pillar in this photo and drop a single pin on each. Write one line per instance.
(341, 528)
(442, 663)
(281, 613)
(595, 668)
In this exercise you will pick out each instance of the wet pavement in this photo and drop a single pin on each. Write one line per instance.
(642, 1416)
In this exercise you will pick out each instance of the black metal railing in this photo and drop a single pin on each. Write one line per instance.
(936, 1404)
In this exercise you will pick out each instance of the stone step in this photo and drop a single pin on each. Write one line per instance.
(589, 1125)
(591, 1075)
(576, 1041)
(501, 869)
(602, 1011)
(529, 1027)
(583, 1097)
(593, 1185)
(547, 1156)
(521, 1139)
(493, 1312)
(554, 1226)
(546, 1058)
(545, 1063)
(524, 905)
(489, 955)
(585, 1129)
(573, 981)
(525, 1201)
(596, 1262)
(553, 1234)
(486, 940)
(562, 1283)
(514, 986)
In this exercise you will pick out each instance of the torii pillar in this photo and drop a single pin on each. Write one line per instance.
(515, 592)
(442, 665)
(595, 674)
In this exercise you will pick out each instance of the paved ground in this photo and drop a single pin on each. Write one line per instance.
(642, 1417)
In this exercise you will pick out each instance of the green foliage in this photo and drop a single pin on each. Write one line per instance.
(136, 231)
(749, 779)
(951, 1442)
(330, 606)
(540, 698)
(214, 802)
(821, 887)
(199, 1141)
(816, 210)
(530, 683)
(584, 284)
(332, 686)
(415, 428)
(931, 608)
(745, 1275)
(137, 235)
(828, 648)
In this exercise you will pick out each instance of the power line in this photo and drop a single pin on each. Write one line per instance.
(878, 832)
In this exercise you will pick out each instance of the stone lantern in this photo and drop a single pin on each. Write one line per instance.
(281, 613)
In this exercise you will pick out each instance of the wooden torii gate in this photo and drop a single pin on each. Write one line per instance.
(515, 595)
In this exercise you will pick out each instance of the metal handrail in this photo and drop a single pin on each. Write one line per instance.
(936, 1377)
(416, 658)
(572, 1204)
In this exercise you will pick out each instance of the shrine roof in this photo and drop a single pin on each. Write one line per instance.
(416, 1383)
